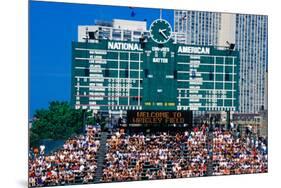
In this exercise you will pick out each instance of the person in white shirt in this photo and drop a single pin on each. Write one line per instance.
(42, 149)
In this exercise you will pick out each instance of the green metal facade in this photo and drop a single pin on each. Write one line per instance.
(118, 75)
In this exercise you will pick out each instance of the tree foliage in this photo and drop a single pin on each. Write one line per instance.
(59, 121)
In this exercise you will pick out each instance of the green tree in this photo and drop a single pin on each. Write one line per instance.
(91, 120)
(59, 121)
(34, 139)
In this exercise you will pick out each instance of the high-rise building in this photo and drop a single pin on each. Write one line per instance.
(247, 32)
(198, 28)
(251, 41)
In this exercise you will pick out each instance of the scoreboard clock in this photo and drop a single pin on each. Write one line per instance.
(160, 31)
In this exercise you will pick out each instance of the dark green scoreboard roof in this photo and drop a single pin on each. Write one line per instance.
(119, 75)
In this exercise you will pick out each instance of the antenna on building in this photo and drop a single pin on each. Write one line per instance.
(160, 13)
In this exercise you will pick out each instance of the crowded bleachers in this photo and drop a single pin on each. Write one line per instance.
(238, 155)
(147, 155)
(155, 155)
(74, 163)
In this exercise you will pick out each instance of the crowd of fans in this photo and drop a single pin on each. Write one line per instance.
(74, 163)
(238, 155)
(156, 155)
(147, 155)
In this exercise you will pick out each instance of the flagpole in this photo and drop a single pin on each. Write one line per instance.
(160, 14)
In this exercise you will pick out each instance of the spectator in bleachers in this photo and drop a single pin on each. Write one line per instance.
(158, 155)
(153, 155)
(75, 162)
(237, 155)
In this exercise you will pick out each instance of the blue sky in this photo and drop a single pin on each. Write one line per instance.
(52, 27)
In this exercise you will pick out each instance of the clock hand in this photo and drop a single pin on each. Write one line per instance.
(162, 33)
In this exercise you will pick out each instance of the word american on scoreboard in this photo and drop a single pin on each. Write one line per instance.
(159, 117)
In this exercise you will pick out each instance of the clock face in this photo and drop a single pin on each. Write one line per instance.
(160, 31)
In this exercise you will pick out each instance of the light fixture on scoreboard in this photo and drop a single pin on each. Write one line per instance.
(143, 41)
(93, 35)
(90, 35)
(231, 46)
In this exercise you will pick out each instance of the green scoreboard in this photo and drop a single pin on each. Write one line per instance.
(156, 74)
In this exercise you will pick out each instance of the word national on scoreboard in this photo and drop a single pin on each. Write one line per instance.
(154, 73)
